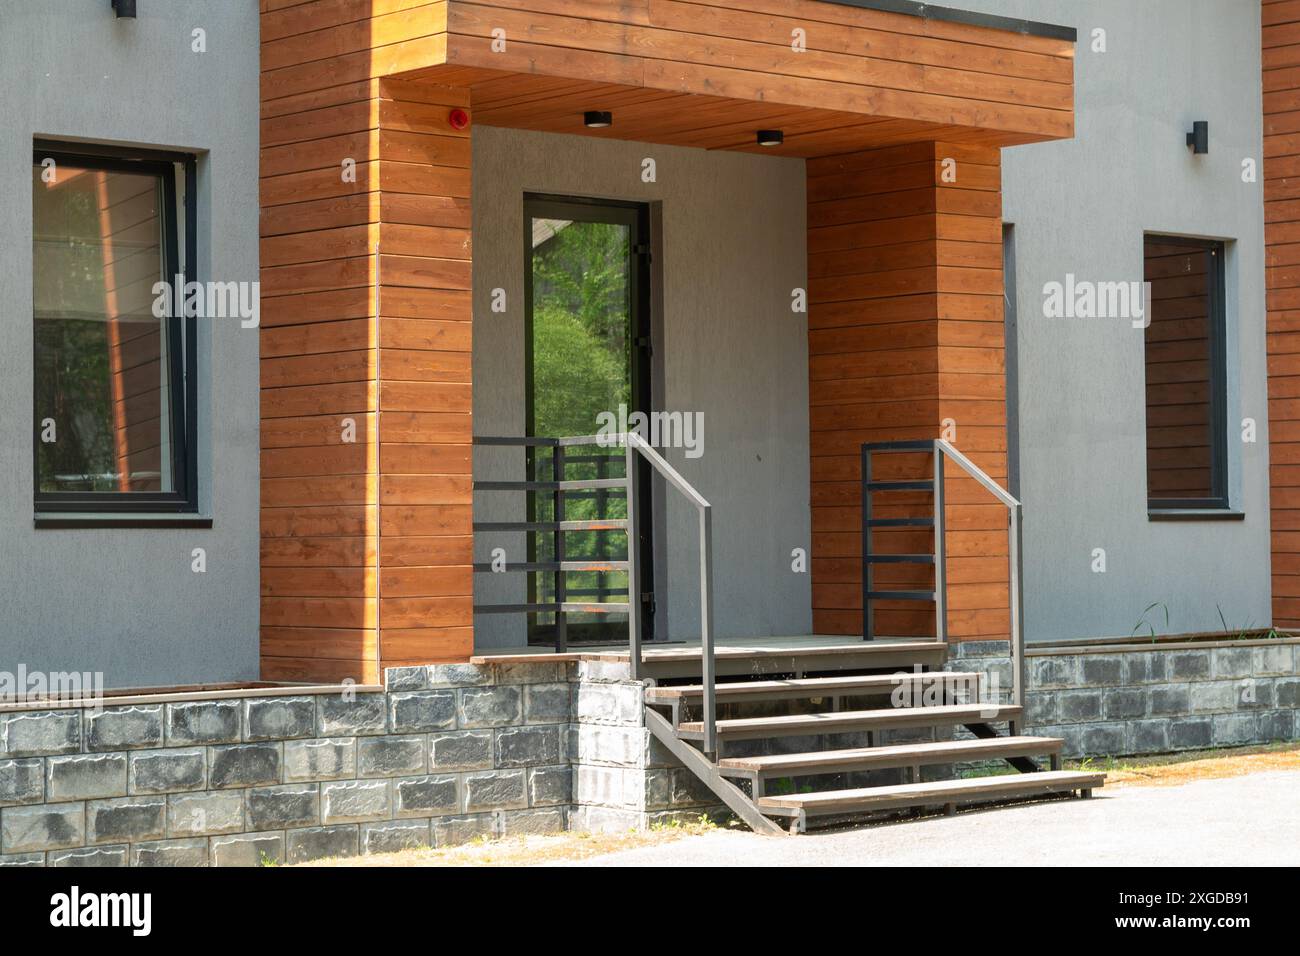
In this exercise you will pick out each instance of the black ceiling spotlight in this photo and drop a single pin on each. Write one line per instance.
(597, 119)
(770, 137)
(1199, 138)
(125, 9)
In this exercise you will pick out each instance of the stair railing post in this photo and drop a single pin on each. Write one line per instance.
(706, 630)
(940, 550)
(1015, 561)
(560, 582)
(633, 564)
(868, 623)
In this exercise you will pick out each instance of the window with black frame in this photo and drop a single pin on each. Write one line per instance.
(1186, 373)
(113, 399)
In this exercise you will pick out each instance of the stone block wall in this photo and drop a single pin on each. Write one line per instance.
(625, 778)
(1152, 698)
(443, 755)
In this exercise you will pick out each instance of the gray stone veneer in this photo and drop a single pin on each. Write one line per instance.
(1152, 698)
(445, 754)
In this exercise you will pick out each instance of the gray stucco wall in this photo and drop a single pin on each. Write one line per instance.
(125, 602)
(727, 345)
(1081, 206)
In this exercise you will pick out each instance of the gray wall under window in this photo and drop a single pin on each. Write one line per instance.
(1082, 206)
(125, 602)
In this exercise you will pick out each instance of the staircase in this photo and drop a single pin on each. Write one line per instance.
(835, 734)
(810, 744)
(807, 733)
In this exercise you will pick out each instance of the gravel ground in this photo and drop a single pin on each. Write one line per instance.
(1251, 820)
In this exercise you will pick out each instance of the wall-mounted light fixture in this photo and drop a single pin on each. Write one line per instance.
(125, 9)
(770, 137)
(597, 119)
(1199, 138)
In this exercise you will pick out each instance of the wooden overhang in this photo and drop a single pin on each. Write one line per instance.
(834, 75)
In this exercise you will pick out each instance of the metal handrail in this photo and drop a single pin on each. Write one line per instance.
(978, 473)
(1015, 562)
(708, 680)
(635, 445)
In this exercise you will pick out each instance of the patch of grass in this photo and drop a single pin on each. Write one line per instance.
(1179, 767)
(534, 850)
(686, 826)
(1190, 765)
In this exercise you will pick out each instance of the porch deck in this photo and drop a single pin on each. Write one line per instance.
(677, 650)
(813, 653)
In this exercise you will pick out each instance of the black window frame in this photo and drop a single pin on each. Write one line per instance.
(636, 217)
(1218, 384)
(181, 330)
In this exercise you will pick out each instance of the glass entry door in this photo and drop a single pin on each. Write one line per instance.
(587, 357)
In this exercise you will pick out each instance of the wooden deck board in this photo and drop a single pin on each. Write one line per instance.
(936, 793)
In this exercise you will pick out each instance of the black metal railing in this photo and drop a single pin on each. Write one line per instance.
(560, 487)
(940, 450)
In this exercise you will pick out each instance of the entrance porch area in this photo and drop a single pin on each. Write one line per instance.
(394, 299)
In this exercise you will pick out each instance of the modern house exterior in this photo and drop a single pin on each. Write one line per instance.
(953, 351)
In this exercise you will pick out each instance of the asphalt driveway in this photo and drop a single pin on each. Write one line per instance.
(1251, 820)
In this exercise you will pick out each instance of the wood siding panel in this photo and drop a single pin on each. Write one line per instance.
(905, 332)
(972, 391)
(318, 343)
(1281, 81)
(425, 483)
(379, 256)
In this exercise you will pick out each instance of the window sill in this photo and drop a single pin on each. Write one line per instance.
(1194, 514)
(99, 520)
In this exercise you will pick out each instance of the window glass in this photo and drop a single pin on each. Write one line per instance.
(1184, 376)
(103, 402)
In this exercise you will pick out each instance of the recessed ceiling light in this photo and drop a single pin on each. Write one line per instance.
(770, 137)
(597, 119)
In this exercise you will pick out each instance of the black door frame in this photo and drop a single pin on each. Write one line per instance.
(636, 216)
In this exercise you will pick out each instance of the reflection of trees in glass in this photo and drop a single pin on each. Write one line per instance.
(582, 270)
(72, 388)
(581, 367)
(575, 376)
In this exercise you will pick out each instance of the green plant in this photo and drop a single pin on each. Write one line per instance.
(701, 825)
(785, 786)
(267, 860)
(1249, 632)
(1143, 622)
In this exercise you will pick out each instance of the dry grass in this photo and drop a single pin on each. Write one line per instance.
(1172, 769)
(529, 850)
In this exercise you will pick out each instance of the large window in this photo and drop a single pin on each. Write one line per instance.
(114, 384)
(1185, 376)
